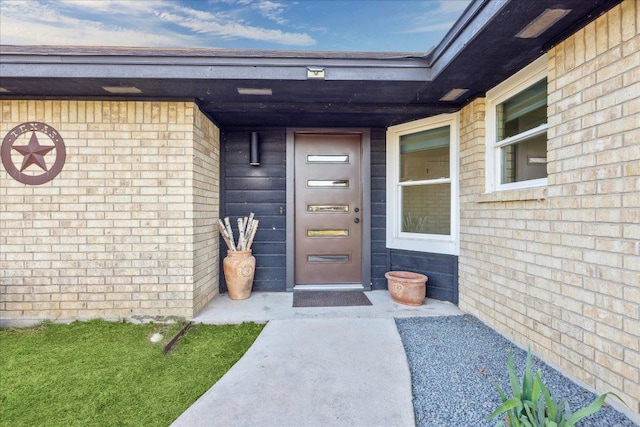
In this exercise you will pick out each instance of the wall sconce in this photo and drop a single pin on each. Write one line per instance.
(254, 150)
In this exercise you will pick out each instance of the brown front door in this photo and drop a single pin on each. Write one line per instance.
(328, 205)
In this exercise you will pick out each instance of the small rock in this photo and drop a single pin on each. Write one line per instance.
(156, 338)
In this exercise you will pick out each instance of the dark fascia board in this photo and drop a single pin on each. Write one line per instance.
(208, 53)
(454, 32)
(476, 16)
(162, 64)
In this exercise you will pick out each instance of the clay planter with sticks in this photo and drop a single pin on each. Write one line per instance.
(239, 265)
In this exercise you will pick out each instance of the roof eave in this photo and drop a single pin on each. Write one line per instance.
(66, 62)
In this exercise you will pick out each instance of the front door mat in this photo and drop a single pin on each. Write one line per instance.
(329, 299)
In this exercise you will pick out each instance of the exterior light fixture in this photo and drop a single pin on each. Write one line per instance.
(254, 91)
(542, 23)
(254, 150)
(315, 73)
(121, 89)
(453, 94)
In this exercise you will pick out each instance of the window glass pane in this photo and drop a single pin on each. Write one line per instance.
(522, 112)
(340, 183)
(328, 208)
(328, 258)
(426, 209)
(425, 155)
(328, 158)
(525, 160)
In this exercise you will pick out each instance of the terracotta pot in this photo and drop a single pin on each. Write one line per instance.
(406, 287)
(239, 268)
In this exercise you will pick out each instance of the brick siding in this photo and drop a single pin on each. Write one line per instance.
(558, 268)
(126, 229)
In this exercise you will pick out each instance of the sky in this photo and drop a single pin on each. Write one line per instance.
(312, 25)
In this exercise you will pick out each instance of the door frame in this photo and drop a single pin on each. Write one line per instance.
(365, 174)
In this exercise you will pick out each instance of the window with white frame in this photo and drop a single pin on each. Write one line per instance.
(516, 121)
(422, 185)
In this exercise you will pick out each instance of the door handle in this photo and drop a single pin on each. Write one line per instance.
(356, 220)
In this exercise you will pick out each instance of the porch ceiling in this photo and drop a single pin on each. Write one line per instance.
(359, 89)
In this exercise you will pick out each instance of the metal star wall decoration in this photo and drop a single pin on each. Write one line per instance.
(33, 153)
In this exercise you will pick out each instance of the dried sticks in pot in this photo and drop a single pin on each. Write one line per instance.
(227, 233)
(247, 228)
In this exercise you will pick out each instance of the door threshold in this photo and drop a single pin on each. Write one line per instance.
(329, 287)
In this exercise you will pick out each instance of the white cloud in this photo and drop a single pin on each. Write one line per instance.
(202, 22)
(132, 23)
(114, 6)
(44, 34)
(272, 10)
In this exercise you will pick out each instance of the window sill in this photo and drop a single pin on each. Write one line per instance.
(448, 247)
(517, 195)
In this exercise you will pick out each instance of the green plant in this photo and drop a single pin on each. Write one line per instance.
(532, 404)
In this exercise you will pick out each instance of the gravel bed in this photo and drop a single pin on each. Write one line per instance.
(453, 361)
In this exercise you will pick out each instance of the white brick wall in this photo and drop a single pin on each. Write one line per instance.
(558, 268)
(126, 228)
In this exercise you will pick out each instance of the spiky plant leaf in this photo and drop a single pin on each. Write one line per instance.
(501, 392)
(527, 417)
(527, 380)
(552, 409)
(513, 378)
(532, 404)
(537, 387)
(540, 412)
(588, 410)
(507, 405)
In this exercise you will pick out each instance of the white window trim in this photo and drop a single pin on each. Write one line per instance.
(396, 239)
(515, 84)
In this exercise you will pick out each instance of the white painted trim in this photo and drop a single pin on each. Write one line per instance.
(396, 239)
(532, 183)
(521, 136)
(425, 182)
(515, 84)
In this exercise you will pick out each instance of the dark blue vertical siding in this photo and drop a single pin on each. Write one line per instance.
(442, 271)
(379, 255)
(259, 189)
(262, 189)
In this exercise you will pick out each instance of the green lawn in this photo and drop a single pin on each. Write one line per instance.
(99, 373)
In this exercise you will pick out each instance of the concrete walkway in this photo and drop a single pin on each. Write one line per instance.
(342, 366)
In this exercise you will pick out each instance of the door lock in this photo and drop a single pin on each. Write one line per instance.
(356, 220)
